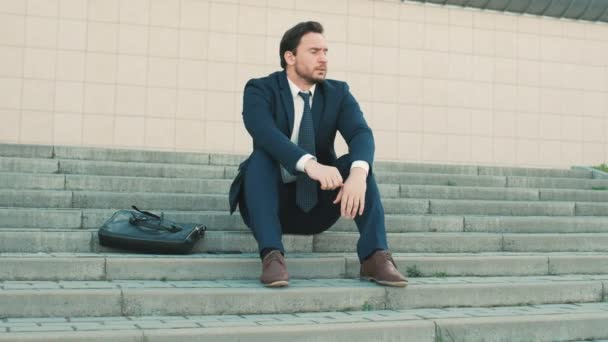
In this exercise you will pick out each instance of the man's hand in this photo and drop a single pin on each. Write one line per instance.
(352, 194)
(328, 176)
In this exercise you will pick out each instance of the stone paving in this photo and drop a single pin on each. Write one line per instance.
(9, 325)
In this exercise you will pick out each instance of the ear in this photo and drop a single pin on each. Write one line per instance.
(290, 58)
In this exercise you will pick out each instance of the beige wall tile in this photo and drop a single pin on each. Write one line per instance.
(571, 101)
(162, 72)
(131, 100)
(571, 128)
(482, 122)
(11, 61)
(459, 94)
(528, 46)
(482, 150)
(252, 20)
(39, 63)
(461, 17)
(551, 48)
(386, 144)
(528, 24)
(13, 7)
(551, 27)
(282, 20)
(593, 154)
(136, 11)
(484, 42)
(528, 72)
(596, 32)
(9, 130)
(459, 121)
(73, 9)
(39, 32)
(434, 147)
(70, 65)
(220, 107)
(104, 10)
(12, 30)
(98, 130)
(436, 15)
(38, 95)
(67, 129)
(410, 62)
(44, 8)
(385, 59)
(219, 136)
(68, 97)
(361, 8)
(133, 39)
(527, 151)
(484, 98)
(572, 153)
(10, 92)
(594, 103)
(160, 133)
(410, 118)
(385, 32)
(288, 4)
(132, 70)
(191, 104)
(36, 127)
(461, 39)
(72, 35)
(527, 126)
(384, 116)
(124, 133)
(360, 30)
(194, 14)
(436, 37)
(435, 92)
(435, 119)
(161, 103)
(436, 65)
(194, 44)
(482, 69)
(101, 67)
(224, 17)
(359, 58)
(460, 67)
(504, 124)
(459, 148)
(484, 20)
(411, 35)
(388, 10)
(223, 47)
(192, 74)
(528, 99)
(190, 135)
(360, 85)
(102, 37)
(221, 76)
(573, 54)
(506, 22)
(505, 70)
(99, 98)
(504, 151)
(164, 13)
(575, 30)
(505, 97)
(507, 48)
(551, 75)
(409, 146)
(163, 42)
(551, 153)
(335, 26)
(411, 11)
(384, 88)
(550, 126)
(593, 130)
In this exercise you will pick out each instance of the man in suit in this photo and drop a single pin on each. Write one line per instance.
(292, 183)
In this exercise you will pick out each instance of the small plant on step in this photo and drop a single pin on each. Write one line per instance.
(602, 167)
(599, 188)
(413, 271)
(367, 306)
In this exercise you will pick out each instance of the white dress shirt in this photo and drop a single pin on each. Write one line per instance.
(298, 110)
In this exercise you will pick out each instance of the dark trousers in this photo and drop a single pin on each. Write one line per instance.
(268, 207)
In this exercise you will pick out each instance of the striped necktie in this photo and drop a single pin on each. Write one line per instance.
(306, 187)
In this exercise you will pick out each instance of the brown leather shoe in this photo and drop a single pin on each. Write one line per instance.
(274, 271)
(381, 268)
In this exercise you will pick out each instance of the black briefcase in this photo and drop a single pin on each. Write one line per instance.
(143, 231)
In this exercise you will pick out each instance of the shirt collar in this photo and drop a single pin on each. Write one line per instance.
(295, 90)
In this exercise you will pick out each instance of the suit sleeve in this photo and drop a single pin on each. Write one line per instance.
(259, 122)
(355, 130)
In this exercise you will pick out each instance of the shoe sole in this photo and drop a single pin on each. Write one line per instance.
(279, 283)
(387, 283)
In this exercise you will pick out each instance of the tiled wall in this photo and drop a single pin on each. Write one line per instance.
(437, 84)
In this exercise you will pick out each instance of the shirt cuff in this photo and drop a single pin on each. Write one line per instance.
(302, 162)
(362, 164)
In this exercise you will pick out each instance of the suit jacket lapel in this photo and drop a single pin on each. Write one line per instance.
(318, 105)
(287, 100)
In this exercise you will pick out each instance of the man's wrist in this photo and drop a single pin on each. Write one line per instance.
(358, 172)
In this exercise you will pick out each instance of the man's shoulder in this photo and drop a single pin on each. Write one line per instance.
(332, 85)
(269, 80)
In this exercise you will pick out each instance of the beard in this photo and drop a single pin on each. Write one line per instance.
(312, 77)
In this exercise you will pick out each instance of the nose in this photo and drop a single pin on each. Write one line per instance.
(323, 58)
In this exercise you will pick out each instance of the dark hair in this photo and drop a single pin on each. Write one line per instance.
(291, 38)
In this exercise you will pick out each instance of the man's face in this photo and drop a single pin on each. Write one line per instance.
(310, 60)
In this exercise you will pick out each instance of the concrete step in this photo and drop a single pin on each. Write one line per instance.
(559, 183)
(109, 266)
(395, 223)
(548, 322)
(28, 165)
(129, 169)
(85, 240)
(142, 298)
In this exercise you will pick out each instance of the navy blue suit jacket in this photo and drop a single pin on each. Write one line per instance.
(268, 116)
